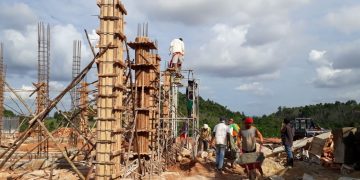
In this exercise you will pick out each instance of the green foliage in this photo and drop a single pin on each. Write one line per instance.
(327, 115)
(51, 123)
(25, 124)
(8, 113)
(210, 111)
(269, 126)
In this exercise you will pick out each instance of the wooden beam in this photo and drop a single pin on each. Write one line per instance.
(61, 150)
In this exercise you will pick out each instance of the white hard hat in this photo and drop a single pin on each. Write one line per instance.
(205, 126)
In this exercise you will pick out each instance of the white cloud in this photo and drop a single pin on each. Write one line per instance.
(56, 86)
(62, 51)
(345, 19)
(24, 92)
(21, 50)
(227, 55)
(94, 39)
(337, 68)
(254, 87)
(199, 12)
(318, 57)
(330, 77)
(16, 16)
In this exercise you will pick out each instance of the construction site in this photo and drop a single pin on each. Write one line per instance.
(126, 124)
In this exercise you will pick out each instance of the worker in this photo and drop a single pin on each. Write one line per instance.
(234, 129)
(232, 141)
(248, 136)
(287, 137)
(190, 98)
(205, 137)
(219, 139)
(183, 134)
(177, 51)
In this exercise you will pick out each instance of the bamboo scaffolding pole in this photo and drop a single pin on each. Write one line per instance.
(17, 105)
(77, 129)
(28, 152)
(133, 91)
(81, 176)
(19, 98)
(44, 113)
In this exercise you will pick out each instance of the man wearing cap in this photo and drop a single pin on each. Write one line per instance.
(219, 138)
(205, 136)
(248, 136)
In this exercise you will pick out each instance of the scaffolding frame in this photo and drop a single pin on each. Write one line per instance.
(171, 117)
(144, 107)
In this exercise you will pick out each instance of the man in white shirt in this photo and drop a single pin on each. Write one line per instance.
(220, 134)
(177, 50)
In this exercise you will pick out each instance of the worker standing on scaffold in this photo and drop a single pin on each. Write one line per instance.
(177, 51)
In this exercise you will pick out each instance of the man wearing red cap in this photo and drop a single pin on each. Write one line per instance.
(248, 136)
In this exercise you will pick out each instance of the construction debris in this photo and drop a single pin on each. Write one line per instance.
(63, 132)
(300, 143)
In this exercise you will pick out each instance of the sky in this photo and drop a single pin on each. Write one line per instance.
(250, 56)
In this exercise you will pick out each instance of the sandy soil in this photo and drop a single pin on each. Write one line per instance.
(201, 169)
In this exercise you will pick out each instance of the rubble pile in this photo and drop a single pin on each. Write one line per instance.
(325, 156)
(63, 132)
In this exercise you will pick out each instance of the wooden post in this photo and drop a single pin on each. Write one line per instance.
(110, 90)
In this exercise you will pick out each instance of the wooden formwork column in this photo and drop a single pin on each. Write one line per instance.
(110, 90)
(145, 63)
(154, 99)
(166, 101)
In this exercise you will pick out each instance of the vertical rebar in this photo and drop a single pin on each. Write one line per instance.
(75, 95)
(42, 99)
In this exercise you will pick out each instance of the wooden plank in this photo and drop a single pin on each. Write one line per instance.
(317, 146)
(300, 143)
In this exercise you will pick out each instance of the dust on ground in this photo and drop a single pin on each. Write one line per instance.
(199, 169)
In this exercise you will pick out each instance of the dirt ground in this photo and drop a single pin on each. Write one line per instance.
(58, 174)
(201, 169)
